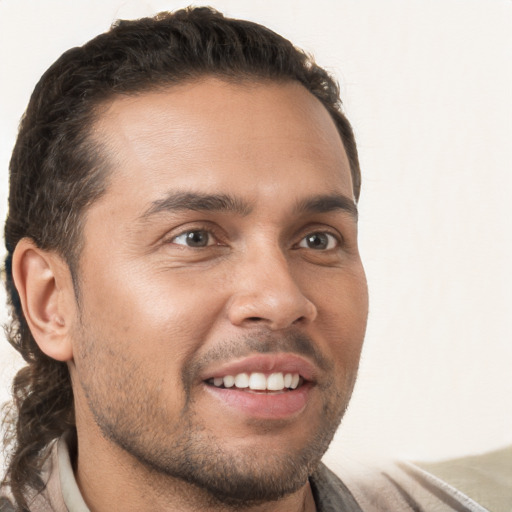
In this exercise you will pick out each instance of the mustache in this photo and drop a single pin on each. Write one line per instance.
(257, 343)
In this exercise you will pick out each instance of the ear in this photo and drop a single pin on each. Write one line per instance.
(45, 287)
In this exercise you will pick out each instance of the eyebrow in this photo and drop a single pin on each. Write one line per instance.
(179, 201)
(328, 203)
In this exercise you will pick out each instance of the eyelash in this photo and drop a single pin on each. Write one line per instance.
(334, 238)
(199, 229)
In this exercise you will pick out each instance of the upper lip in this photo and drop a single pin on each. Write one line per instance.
(264, 363)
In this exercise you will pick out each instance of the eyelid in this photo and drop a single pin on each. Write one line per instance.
(186, 233)
(331, 236)
(212, 231)
(313, 228)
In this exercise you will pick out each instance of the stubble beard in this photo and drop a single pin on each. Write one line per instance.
(192, 455)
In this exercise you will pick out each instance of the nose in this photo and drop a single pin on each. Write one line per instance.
(267, 294)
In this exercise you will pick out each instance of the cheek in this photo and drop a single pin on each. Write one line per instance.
(342, 315)
(159, 315)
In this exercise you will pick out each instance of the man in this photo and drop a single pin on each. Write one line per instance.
(185, 279)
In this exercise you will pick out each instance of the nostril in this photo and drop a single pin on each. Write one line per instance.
(274, 310)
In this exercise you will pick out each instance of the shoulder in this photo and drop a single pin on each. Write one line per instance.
(46, 499)
(487, 478)
(6, 504)
(403, 487)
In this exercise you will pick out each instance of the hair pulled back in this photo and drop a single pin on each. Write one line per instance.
(56, 172)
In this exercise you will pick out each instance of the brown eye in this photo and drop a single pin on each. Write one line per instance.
(320, 241)
(195, 238)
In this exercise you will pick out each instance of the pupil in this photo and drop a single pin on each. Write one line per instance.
(317, 241)
(197, 239)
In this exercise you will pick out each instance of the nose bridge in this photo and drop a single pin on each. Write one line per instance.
(267, 292)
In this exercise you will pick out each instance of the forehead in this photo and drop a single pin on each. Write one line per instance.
(216, 135)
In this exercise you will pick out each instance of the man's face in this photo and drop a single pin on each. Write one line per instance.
(225, 248)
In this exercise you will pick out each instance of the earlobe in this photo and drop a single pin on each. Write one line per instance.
(45, 288)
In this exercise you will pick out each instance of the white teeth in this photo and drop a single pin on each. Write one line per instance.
(229, 381)
(242, 380)
(258, 381)
(275, 382)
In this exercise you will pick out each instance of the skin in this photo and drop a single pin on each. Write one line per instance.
(156, 316)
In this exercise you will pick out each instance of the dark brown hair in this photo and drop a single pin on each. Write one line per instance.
(56, 171)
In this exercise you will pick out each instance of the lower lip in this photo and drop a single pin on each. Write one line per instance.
(264, 405)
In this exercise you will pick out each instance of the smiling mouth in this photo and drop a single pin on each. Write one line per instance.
(259, 382)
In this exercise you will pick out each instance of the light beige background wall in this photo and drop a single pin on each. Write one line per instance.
(428, 87)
